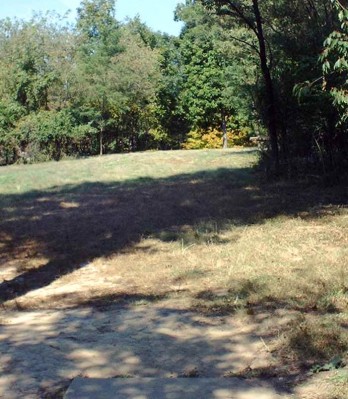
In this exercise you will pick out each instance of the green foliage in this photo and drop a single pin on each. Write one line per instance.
(118, 76)
(334, 60)
(26, 69)
(168, 112)
(103, 86)
(336, 363)
(10, 113)
(98, 28)
(50, 134)
(204, 69)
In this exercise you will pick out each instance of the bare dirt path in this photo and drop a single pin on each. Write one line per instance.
(42, 351)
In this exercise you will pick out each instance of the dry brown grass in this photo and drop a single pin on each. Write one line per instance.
(194, 225)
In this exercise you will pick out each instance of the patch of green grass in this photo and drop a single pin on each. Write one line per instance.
(18, 179)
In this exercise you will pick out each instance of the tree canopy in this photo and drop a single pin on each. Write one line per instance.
(239, 68)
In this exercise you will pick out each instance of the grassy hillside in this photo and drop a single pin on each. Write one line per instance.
(198, 226)
(123, 168)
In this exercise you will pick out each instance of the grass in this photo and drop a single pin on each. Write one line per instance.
(195, 225)
(21, 179)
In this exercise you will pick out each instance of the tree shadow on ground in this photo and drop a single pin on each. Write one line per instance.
(71, 225)
(41, 352)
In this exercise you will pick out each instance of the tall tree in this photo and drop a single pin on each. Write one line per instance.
(206, 86)
(26, 69)
(306, 121)
(137, 75)
(98, 43)
(249, 14)
(335, 61)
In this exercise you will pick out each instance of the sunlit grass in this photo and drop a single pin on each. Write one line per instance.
(19, 179)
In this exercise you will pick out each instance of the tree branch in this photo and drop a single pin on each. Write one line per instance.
(241, 15)
(231, 8)
(252, 46)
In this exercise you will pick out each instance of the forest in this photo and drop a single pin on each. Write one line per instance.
(271, 69)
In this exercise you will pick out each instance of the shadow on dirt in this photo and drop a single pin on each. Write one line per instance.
(41, 352)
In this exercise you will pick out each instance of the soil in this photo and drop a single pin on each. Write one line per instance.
(42, 351)
(72, 329)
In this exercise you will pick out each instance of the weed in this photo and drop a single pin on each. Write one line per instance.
(313, 339)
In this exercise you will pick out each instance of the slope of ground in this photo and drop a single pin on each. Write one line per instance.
(170, 264)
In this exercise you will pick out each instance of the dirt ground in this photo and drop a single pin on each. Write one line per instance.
(41, 351)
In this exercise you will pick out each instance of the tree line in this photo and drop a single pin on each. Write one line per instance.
(239, 68)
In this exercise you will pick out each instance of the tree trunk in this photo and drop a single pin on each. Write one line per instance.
(270, 97)
(101, 136)
(224, 133)
(58, 150)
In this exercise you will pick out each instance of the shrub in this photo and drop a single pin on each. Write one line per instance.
(199, 139)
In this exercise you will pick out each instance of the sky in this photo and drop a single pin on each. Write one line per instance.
(158, 14)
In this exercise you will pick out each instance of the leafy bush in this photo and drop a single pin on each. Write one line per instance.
(194, 141)
(49, 135)
(199, 139)
(10, 112)
(240, 137)
(335, 63)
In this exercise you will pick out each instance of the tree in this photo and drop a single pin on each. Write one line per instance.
(207, 89)
(102, 86)
(25, 60)
(202, 95)
(335, 62)
(172, 123)
(98, 43)
(30, 69)
(248, 13)
(136, 75)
